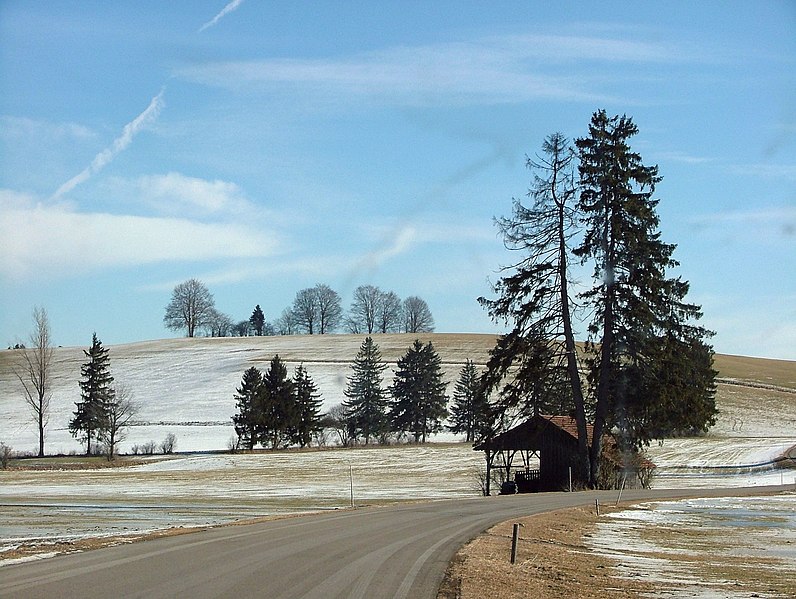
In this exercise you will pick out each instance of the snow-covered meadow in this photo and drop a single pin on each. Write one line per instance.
(207, 489)
(705, 547)
(186, 387)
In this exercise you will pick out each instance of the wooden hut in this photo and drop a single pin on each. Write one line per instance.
(547, 447)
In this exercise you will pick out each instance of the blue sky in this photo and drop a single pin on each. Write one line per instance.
(264, 147)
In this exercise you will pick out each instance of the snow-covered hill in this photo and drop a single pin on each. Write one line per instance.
(186, 387)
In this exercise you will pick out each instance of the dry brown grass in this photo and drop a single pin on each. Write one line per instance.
(554, 561)
(779, 373)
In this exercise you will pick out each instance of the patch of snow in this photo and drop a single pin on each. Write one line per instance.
(28, 558)
(750, 527)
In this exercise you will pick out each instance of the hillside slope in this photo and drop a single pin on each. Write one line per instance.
(186, 386)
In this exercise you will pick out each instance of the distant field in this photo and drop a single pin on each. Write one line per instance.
(186, 386)
(780, 373)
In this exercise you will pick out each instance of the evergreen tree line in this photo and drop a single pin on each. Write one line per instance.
(646, 369)
(275, 411)
(315, 310)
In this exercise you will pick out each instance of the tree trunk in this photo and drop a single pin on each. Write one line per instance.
(572, 358)
(41, 436)
(603, 386)
(487, 491)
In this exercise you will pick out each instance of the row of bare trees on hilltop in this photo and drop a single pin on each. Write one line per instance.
(315, 310)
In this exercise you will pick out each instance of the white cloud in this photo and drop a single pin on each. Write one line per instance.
(681, 157)
(509, 69)
(13, 127)
(224, 11)
(769, 225)
(175, 193)
(56, 241)
(119, 144)
(403, 238)
(766, 170)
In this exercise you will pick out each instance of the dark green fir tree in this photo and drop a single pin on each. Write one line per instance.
(96, 393)
(249, 401)
(366, 407)
(419, 403)
(308, 406)
(279, 414)
(470, 414)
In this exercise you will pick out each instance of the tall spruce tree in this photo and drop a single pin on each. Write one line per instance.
(640, 319)
(366, 406)
(249, 401)
(96, 393)
(419, 403)
(535, 365)
(308, 406)
(279, 414)
(470, 413)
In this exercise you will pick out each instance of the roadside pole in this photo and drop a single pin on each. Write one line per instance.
(514, 536)
(351, 483)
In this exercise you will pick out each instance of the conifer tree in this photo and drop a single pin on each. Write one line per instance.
(366, 405)
(649, 368)
(535, 364)
(418, 391)
(248, 400)
(279, 414)
(470, 412)
(639, 314)
(96, 394)
(308, 406)
(257, 321)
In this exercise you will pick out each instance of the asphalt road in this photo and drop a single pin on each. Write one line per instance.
(400, 551)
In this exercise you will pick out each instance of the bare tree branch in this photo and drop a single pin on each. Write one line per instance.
(33, 372)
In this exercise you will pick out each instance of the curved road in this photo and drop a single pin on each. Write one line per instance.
(400, 551)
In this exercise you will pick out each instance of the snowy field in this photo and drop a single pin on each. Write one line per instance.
(186, 387)
(702, 547)
(41, 507)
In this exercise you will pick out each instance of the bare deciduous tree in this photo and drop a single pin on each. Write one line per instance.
(317, 309)
(417, 316)
(389, 312)
(190, 308)
(305, 310)
(33, 372)
(363, 313)
(374, 311)
(286, 323)
(329, 309)
(219, 324)
(338, 420)
(118, 412)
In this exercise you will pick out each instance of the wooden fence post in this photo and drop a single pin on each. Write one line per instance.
(514, 536)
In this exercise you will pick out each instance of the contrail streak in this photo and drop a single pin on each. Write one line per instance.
(224, 11)
(119, 144)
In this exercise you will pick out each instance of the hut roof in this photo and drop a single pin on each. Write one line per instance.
(527, 434)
